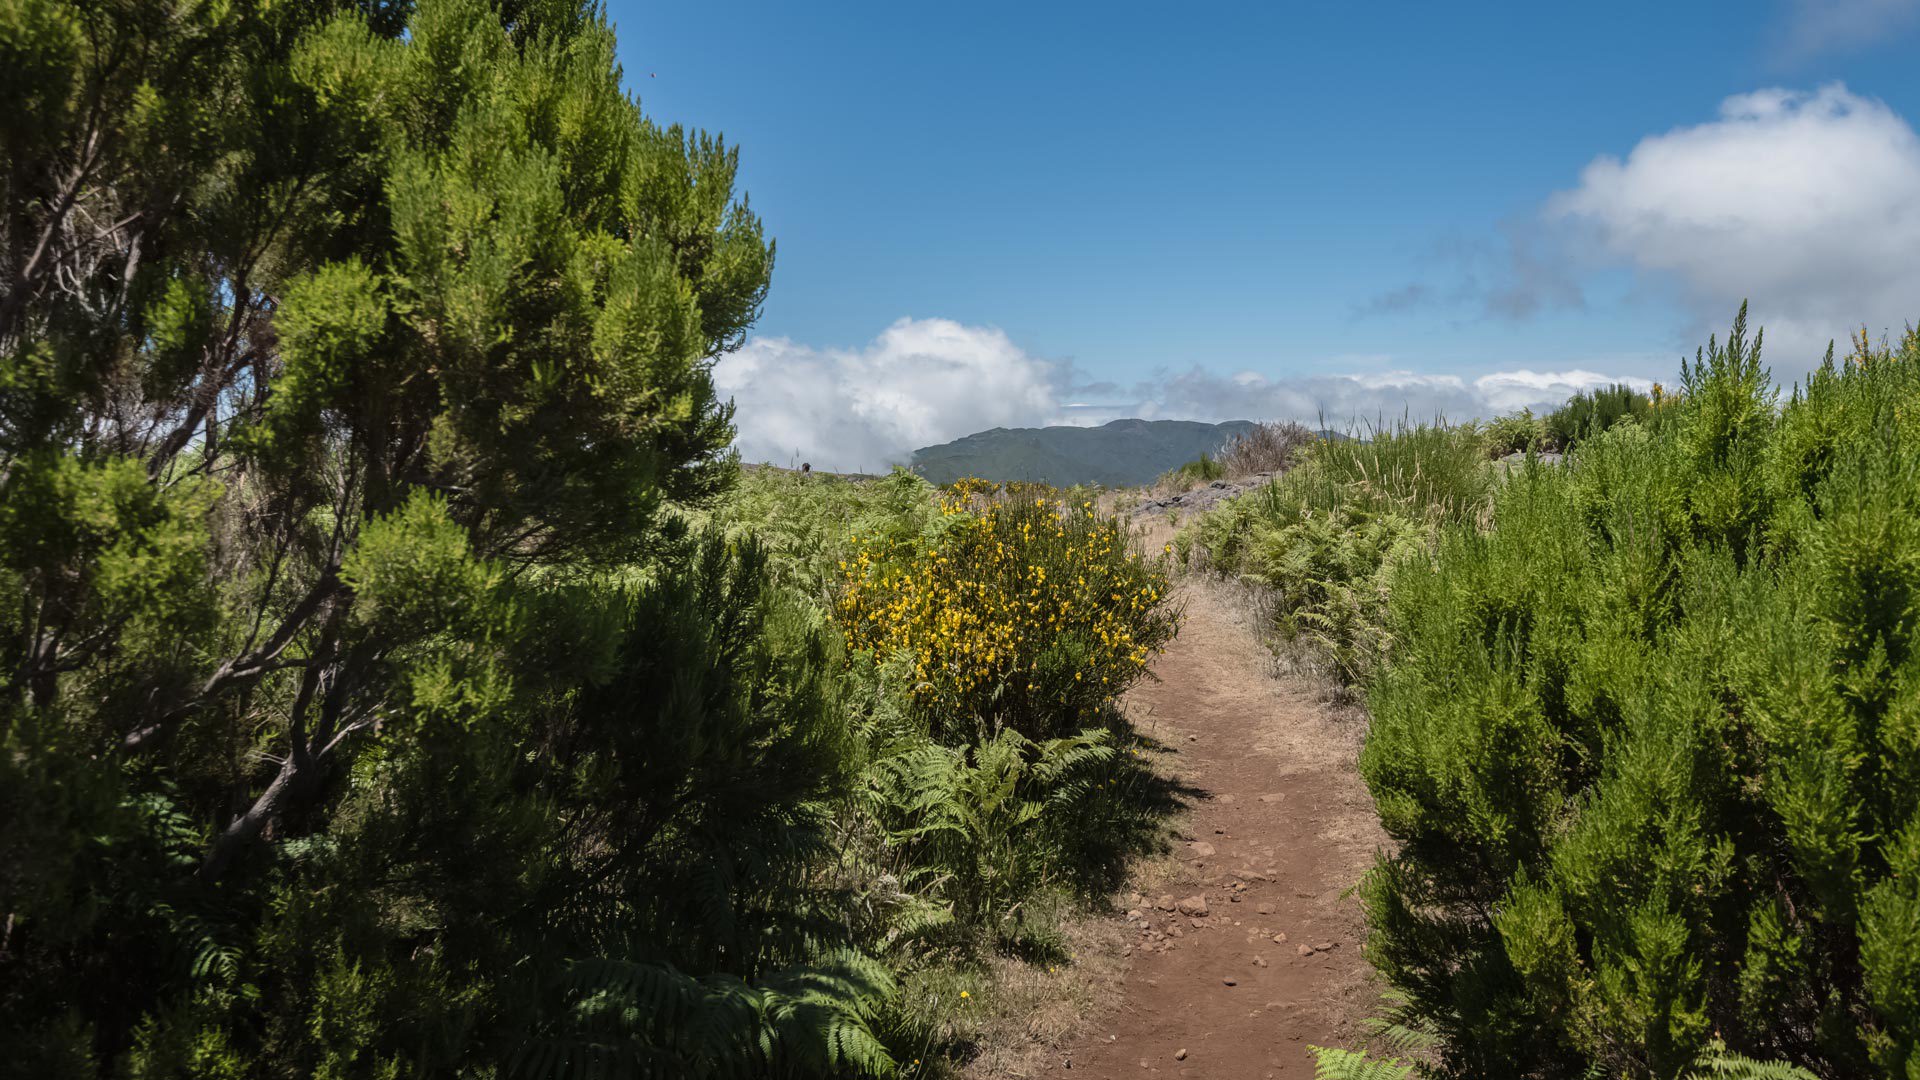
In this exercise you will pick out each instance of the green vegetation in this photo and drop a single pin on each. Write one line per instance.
(1592, 412)
(996, 788)
(1642, 724)
(1327, 536)
(1201, 470)
(398, 683)
(1516, 432)
(1647, 746)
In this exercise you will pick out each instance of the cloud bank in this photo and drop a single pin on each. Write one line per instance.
(928, 381)
(922, 381)
(1343, 401)
(1806, 203)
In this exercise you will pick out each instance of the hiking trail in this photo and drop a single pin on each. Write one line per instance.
(1245, 947)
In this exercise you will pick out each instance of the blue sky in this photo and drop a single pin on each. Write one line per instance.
(1125, 197)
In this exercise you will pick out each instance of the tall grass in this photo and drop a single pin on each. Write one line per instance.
(1425, 473)
(1325, 536)
(1428, 472)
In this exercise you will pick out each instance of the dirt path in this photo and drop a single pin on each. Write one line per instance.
(1246, 950)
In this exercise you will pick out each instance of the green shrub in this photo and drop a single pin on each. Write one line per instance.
(1329, 574)
(1326, 536)
(1202, 470)
(1650, 746)
(1516, 432)
(1591, 412)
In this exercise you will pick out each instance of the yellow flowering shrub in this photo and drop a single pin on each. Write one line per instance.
(1023, 610)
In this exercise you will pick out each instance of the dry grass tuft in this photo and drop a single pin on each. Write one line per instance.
(1031, 1012)
(1270, 448)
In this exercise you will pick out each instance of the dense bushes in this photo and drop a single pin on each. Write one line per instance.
(1649, 745)
(376, 696)
(1516, 432)
(996, 785)
(1591, 412)
(1201, 470)
(1326, 536)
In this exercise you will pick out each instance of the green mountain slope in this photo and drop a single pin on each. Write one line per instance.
(1123, 452)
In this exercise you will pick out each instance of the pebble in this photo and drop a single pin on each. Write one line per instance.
(1230, 982)
(1193, 905)
(1180, 1054)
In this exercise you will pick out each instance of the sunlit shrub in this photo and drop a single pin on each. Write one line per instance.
(1024, 612)
(1201, 470)
(1326, 536)
(1515, 432)
(1650, 746)
(1591, 412)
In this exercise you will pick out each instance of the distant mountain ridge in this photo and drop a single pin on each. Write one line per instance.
(1121, 453)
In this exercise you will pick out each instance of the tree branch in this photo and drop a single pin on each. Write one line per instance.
(240, 669)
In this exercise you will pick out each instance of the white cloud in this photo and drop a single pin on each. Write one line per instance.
(1806, 203)
(1341, 401)
(928, 381)
(922, 381)
(1818, 26)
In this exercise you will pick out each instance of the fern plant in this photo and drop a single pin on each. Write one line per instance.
(971, 818)
(638, 1020)
(1332, 1063)
(1719, 1063)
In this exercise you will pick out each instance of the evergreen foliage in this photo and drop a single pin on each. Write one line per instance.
(399, 685)
(1646, 744)
(364, 710)
(1590, 412)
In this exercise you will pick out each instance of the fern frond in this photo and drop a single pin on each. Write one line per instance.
(1332, 1063)
(1719, 1063)
(1399, 1038)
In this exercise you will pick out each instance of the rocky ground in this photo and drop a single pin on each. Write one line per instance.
(1198, 499)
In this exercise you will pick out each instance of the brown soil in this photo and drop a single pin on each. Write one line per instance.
(1281, 834)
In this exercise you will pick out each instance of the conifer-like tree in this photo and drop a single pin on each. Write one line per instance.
(356, 696)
